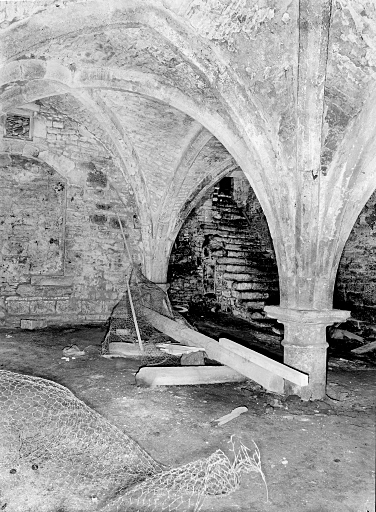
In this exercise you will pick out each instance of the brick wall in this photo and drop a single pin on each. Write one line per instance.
(62, 253)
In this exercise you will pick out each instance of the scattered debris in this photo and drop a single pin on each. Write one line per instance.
(344, 364)
(337, 393)
(369, 347)
(275, 402)
(93, 349)
(193, 359)
(228, 417)
(73, 350)
(251, 386)
(181, 309)
(340, 334)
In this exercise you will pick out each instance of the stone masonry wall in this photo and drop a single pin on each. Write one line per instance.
(223, 257)
(355, 287)
(61, 250)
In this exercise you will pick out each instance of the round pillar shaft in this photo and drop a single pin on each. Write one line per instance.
(305, 345)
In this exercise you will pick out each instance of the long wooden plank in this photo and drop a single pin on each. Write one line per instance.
(186, 375)
(286, 372)
(215, 351)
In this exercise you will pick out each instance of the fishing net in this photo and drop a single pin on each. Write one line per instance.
(58, 455)
(124, 321)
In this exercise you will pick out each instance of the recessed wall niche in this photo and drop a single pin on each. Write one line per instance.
(19, 125)
(32, 220)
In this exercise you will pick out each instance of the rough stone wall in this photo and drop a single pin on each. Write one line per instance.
(355, 288)
(63, 258)
(223, 257)
(32, 214)
(185, 274)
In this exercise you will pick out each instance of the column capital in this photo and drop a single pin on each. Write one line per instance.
(307, 316)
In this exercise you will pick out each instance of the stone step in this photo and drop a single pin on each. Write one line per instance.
(271, 283)
(236, 254)
(231, 234)
(247, 273)
(233, 217)
(253, 286)
(252, 305)
(247, 296)
(236, 247)
(236, 269)
(232, 261)
(230, 216)
(227, 206)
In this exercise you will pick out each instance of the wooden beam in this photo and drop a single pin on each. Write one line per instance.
(215, 351)
(275, 367)
(186, 375)
(117, 348)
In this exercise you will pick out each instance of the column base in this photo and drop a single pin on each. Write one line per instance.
(305, 345)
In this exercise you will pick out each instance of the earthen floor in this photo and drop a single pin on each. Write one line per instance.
(316, 456)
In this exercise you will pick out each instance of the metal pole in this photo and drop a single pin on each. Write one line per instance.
(129, 289)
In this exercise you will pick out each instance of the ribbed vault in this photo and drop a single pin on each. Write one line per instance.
(183, 92)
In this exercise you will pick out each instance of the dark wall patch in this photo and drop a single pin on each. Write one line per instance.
(98, 219)
(97, 178)
(101, 206)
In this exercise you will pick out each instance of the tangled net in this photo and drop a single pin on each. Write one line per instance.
(58, 455)
(122, 327)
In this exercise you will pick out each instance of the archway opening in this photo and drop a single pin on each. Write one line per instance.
(223, 261)
(355, 287)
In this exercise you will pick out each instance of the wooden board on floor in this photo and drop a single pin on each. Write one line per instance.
(186, 375)
(287, 373)
(241, 364)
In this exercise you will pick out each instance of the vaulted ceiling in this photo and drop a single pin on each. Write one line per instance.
(182, 91)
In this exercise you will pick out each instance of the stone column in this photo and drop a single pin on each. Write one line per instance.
(305, 345)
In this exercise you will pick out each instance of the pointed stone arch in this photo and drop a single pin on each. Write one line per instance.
(32, 78)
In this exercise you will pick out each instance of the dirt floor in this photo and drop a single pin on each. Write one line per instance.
(316, 456)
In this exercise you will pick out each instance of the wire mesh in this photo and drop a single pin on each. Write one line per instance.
(59, 455)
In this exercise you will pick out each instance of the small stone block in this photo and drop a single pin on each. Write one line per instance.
(52, 281)
(32, 324)
(193, 359)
